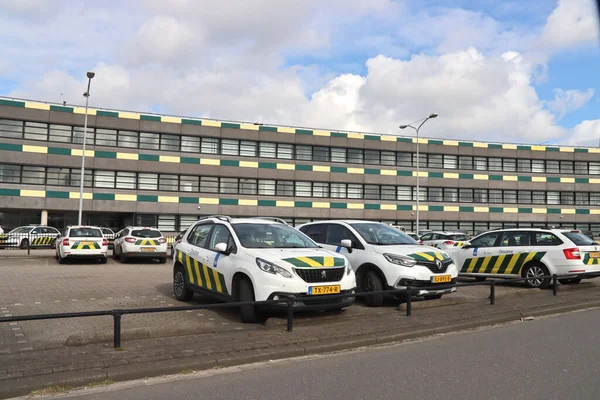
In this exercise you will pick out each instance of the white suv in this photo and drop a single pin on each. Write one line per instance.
(529, 252)
(82, 242)
(255, 259)
(444, 240)
(140, 242)
(385, 258)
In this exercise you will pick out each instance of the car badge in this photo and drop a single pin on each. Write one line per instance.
(438, 264)
(323, 274)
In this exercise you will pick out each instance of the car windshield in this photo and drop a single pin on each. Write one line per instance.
(275, 236)
(579, 239)
(107, 231)
(459, 236)
(23, 229)
(85, 232)
(381, 234)
(146, 233)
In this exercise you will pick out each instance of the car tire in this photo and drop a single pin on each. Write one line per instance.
(180, 286)
(61, 260)
(248, 313)
(24, 244)
(433, 297)
(103, 260)
(114, 253)
(162, 260)
(572, 281)
(480, 278)
(372, 283)
(122, 257)
(536, 269)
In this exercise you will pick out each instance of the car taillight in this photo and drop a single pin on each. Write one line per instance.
(162, 240)
(130, 240)
(104, 242)
(65, 242)
(572, 254)
(449, 242)
(420, 242)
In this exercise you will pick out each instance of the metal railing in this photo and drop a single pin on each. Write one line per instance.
(290, 302)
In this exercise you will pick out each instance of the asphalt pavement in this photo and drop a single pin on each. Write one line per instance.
(555, 357)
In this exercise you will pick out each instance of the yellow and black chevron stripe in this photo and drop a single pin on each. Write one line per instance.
(202, 275)
(501, 264)
(85, 246)
(147, 242)
(43, 241)
(315, 262)
(429, 256)
(458, 244)
(3, 238)
(587, 260)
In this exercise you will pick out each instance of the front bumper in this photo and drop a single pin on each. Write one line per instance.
(426, 288)
(304, 301)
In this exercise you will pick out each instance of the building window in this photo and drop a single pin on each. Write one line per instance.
(338, 154)
(524, 196)
(147, 181)
(186, 220)
(268, 150)
(248, 148)
(450, 162)
(125, 180)
(465, 162)
(320, 189)
(54, 176)
(149, 141)
(595, 199)
(33, 175)
(303, 189)
(552, 167)
(495, 196)
(404, 159)
(480, 196)
(524, 165)
(509, 164)
(104, 179)
(372, 157)
(11, 129)
(10, 173)
(480, 163)
(388, 158)
(450, 195)
(581, 167)
(355, 156)
(166, 222)
(127, 139)
(209, 146)
(190, 144)
(106, 137)
(36, 131)
(567, 198)
(78, 135)
(388, 192)
(538, 166)
(285, 151)
(338, 190)
(266, 187)
(372, 192)
(76, 178)
(321, 154)
(405, 193)
(285, 188)
(168, 182)
(422, 160)
(435, 161)
(209, 184)
(582, 198)
(510, 196)
(553, 197)
(355, 191)
(248, 186)
(228, 186)
(188, 183)
(538, 197)
(495, 164)
(169, 143)
(594, 168)
(436, 194)
(566, 167)
(303, 153)
(60, 133)
(465, 195)
(230, 147)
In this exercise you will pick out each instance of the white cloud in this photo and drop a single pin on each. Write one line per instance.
(572, 23)
(567, 101)
(586, 133)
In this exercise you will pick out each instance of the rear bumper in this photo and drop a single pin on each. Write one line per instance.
(148, 254)
(85, 256)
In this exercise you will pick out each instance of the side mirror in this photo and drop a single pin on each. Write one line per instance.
(57, 235)
(221, 248)
(347, 243)
(467, 245)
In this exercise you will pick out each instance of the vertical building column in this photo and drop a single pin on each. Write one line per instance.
(44, 220)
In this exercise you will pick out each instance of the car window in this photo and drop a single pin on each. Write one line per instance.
(458, 237)
(428, 236)
(219, 235)
(198, 235)
(382, 234)
(336, 233)
(317, 232)
(279, 236)
(38, 230)
(579, 239)
(546, 239)
(24, 229)
(512, 239)
(51, 231)
(146, 233)
(85, 232)
(487, 240)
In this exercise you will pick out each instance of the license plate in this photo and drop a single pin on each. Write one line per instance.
(315, 290)
(148, 249)
(87, 243)
(594, 254)
(441, 279)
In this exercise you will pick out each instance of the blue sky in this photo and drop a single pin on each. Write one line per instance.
(517, 71)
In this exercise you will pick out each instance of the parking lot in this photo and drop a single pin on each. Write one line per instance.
(39, 285)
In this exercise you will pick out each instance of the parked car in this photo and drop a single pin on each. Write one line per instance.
(110, 235)
(31, 236)
(444, 240)
(82, 242)
(249, 259)
(385, 258)
(140, 242)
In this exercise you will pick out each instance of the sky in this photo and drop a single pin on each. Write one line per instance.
(524, 71)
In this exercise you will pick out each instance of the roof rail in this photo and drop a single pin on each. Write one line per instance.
(275, 219)
(220, 217)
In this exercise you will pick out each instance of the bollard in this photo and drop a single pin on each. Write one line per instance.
(290, 313)
(117, 330)
(28, 245)
(554, 284)
(409, 302)
(493, 292)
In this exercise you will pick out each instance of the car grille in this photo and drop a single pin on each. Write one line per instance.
(428, 284)
(434, 268)
(314, 275)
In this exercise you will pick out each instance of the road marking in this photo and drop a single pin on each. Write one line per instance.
(5, 311)
(57, 301)
(162, 301)
(38, 302)
(73, 299)
(110, 298)
(224, 323)
(2, 308)
(211, 319)
(238, 328)
(27, 349)
(127, 297)
(16, 329)
(18, 304)
(19, 334)
(201, 315)
(14, 323)
(8, 315)
(22, 341)
(92, 298)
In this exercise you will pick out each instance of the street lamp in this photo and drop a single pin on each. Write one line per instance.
(90, 75)
(434, 115)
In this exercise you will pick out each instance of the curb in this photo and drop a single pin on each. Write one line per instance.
(23, 386)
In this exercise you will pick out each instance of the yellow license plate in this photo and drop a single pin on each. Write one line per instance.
(441, 279)
(594, 254)
(148, 249)
(315, 290)
(87, 243)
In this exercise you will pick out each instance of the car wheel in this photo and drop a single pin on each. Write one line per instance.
(103, 260)
(162, 260)
(572, 281)
(61, 260)
(432, 297)
(372, 283)
(480, 278)
(535, 271)
(24, 244)
(122, 257)
(246, 293)
(180, 286)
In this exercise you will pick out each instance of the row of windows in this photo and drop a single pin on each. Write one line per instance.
(34, 175)
(286, 151)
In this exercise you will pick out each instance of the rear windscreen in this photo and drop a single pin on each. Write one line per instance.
(146, 233)
(579, 239)
(459, 237)
(85, 233)
(107, 232)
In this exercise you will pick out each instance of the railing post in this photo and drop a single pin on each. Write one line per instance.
(409, 301)
(492, 292)
(117, 329)
(290, 313)
(28, 245)
(554, 284)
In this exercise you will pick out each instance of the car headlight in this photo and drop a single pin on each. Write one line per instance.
(272, 268)
(400, 260)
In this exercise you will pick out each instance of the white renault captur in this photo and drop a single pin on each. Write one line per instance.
(385, 258)
(250, 259)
